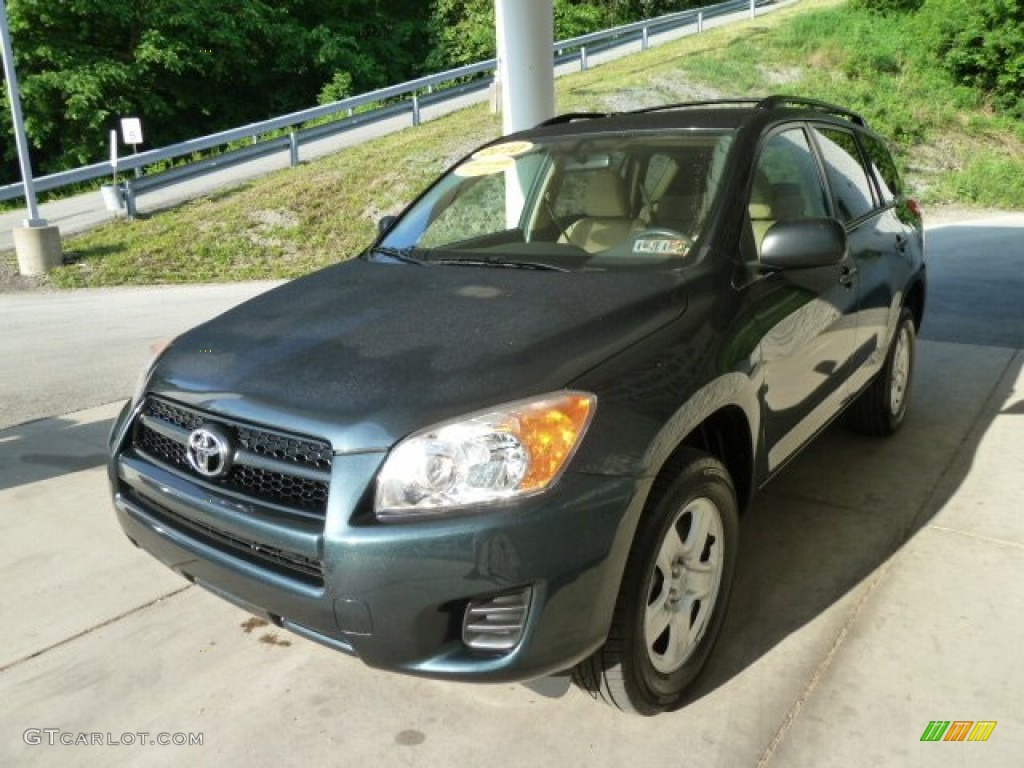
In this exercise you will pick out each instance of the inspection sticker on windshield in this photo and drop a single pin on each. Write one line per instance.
(485, 167)
(661, 246)
(507, 149)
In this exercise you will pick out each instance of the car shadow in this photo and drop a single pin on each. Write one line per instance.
(844, 506)
(810, 539)
(49, 448)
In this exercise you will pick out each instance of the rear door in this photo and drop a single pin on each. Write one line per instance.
(807, 316)
(876, 237)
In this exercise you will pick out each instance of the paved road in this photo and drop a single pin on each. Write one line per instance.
(62, 352)
(79, 213)
(976, 292)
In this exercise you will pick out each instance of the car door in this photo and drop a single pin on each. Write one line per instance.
(875, 236)
(901, 235)
(806, 315)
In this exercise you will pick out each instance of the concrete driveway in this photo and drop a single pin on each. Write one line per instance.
(878, 590)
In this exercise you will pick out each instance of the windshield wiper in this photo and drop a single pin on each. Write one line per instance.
(494, 261)
(404, 255)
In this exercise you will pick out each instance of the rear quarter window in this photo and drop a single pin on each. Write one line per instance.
(890, 186)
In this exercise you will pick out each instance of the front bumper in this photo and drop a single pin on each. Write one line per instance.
(394, 594)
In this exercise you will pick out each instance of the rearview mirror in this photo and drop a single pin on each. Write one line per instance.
(803, 243)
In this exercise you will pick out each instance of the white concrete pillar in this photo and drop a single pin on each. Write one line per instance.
(526, 62)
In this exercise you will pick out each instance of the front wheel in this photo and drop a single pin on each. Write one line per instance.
(881, 408)
(673, 594)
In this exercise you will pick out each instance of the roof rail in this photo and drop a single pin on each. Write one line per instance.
(769, 102)
(572, 116)
(695, 105)
(569, 117)
(773, 102)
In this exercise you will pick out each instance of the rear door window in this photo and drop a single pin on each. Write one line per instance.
(847, 177)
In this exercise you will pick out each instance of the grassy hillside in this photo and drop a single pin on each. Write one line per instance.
(952, 146)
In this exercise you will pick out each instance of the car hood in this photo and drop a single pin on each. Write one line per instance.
(363, 353)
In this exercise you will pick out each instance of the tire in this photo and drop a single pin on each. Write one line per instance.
(673, 594)
(881, 408)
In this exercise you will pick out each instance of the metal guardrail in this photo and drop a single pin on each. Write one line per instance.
(420, 91)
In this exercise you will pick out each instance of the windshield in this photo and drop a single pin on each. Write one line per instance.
(569, 203)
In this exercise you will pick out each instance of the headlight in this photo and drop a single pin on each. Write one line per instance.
(511, 451)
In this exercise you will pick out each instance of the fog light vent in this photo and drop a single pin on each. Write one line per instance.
(496, 623)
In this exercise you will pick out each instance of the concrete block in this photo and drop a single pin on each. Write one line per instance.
(38, 249)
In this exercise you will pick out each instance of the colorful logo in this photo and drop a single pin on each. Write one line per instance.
(958, 730)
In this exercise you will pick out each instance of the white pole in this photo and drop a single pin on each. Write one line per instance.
(526, 62)
(14, 97)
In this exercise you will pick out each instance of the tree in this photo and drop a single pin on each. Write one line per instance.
(463, 30)
(984, 48)
(193, 67)
(190, 67)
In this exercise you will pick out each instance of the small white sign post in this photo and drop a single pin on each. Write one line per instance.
(131, 133)
(131, 130)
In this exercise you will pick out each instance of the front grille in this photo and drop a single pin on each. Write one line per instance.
(159, 447)
(299, 450)
(172, 414)
(291, 564)
(270, 466)
(278, 486)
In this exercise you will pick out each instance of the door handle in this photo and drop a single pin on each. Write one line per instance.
(847, 275)
(901, 243)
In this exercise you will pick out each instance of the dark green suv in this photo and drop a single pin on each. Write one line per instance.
(513, 438)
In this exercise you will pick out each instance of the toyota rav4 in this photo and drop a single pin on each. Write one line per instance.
(513, 438)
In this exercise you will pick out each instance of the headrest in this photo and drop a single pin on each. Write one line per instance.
(605, 196)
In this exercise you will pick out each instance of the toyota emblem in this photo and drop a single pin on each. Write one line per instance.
(209, 451)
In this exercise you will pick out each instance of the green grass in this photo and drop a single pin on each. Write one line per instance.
(282, 225)
(952, 147)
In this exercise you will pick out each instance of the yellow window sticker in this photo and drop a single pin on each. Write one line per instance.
(485, 167)
(507, 149)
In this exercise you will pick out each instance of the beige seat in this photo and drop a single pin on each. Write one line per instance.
(771, 202)
(762, 214)
(788, 201)
(606, 221)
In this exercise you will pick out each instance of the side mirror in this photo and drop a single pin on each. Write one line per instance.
(803, 243)
(385, 223)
